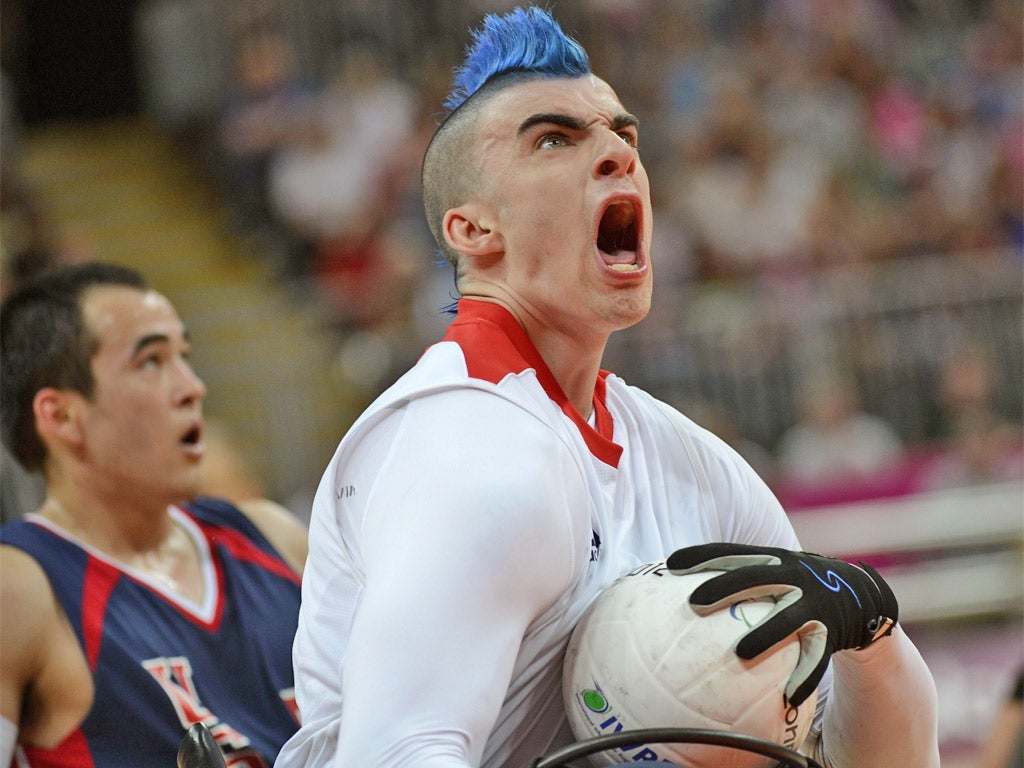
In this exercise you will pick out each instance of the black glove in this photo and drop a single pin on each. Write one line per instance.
(830, 604)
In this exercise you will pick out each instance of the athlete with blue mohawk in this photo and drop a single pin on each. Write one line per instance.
(474, 511)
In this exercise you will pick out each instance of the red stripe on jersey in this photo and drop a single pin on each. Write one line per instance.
(495, 345)
(100, 579)
(241, 548)
(73, 752)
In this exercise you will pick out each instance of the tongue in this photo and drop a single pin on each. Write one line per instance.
(613, 253)
(619, 257)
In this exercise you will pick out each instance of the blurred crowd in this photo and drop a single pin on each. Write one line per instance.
(785, 140)
(781, 135)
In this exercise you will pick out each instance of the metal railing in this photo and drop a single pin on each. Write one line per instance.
(889, 325)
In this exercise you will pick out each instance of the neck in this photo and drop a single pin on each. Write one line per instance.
(573, 358)
(157, 547)
(573, 355)
(575, 372)
(108, 513)
(115, 524)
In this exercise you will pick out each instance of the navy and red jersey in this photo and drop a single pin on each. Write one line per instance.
(161, 662)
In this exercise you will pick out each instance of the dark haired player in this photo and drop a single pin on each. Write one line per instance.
(131, 609)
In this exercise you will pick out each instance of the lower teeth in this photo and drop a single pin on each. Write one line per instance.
(623, 267)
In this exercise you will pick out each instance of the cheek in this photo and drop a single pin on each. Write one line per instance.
(536, 237)
(125, 420)
(119, 433)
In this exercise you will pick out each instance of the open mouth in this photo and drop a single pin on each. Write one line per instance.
(193, 437)
(617, 236)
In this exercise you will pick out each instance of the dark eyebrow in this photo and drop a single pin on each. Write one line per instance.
(551, 118)
(147, 340)
(153, 338)
(573, 123)
(625, 120)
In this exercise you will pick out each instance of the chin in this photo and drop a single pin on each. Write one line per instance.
(187, 490)
(630, 308)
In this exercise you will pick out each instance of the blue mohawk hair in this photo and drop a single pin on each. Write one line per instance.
(527, 40)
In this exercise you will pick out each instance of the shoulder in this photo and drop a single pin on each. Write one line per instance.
(456, 418)
(29, 616)
(281, 528)
(264, 518)
(22, 574)
(449, 457)
(740, 500)
(45, 683)
(667, 425)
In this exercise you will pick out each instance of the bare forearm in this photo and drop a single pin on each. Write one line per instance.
(883, 709)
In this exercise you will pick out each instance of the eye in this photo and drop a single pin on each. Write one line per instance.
(630, 138)
(553, 140)
(151, 360)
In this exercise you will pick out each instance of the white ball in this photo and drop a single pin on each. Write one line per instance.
(641, 658)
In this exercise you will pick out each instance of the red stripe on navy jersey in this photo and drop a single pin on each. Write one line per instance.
(73, 751)
(100, 579)
(244, 549)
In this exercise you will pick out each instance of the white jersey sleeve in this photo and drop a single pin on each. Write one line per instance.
(454, 548)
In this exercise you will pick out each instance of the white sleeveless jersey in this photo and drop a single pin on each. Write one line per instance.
(464, 524)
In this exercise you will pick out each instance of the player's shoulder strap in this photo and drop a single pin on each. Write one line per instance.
(59, 556)
(226, 525)
(63, 561)
(224, 514)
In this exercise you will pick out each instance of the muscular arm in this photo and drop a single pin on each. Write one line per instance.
(16, 660)
(45, 687)
(463, 548)
(883, 708)
(23, 629)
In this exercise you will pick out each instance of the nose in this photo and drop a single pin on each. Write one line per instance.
(193, 388)
(615, 157)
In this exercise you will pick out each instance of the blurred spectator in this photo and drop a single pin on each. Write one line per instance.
(977, 443)
(749, 196)
(330, 181)
(270, 105)
(27, 245)
(336, 186)
(835, 443)
(968, 383)
(181, 62)
(982, 449)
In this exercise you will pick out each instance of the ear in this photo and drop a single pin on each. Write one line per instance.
(468, 229)
(56, 413)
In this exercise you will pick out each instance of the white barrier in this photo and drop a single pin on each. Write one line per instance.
(947, 554)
